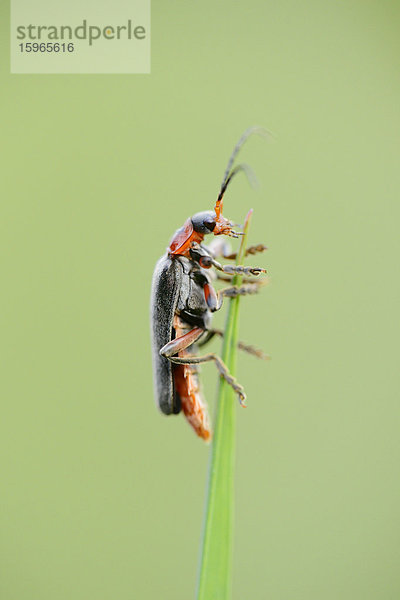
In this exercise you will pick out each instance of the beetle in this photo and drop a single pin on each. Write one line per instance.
(182, 302)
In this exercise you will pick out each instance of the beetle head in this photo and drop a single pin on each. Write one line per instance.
(213, 222)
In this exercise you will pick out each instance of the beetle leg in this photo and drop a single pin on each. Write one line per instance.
(243, 290)
(222, 248)
(239, 269)
(221, 366)
(181, 343)
(250, 250)
(229, 276)
(250, 349)
(232, 292)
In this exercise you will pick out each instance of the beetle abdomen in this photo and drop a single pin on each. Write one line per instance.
(194, 408)
(187, 387)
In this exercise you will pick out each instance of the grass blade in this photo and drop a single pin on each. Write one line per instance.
(216, 555)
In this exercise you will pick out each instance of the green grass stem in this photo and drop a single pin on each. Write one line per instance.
(214, 582)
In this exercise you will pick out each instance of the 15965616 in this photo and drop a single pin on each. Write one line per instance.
(46, 47)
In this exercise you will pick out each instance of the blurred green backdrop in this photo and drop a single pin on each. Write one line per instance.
(103, 497)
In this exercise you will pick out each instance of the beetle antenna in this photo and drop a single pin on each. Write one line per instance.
(250, 131)
(250, 176)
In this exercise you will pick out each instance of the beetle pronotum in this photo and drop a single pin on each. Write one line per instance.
(183, 300)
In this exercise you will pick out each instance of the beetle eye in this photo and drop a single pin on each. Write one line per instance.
(209, 223)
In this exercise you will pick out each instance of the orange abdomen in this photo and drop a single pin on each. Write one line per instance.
(193, 406)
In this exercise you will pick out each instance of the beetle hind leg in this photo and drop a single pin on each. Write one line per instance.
(221, 366)
(181, 343)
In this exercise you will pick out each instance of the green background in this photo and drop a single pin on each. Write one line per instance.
(103, 497)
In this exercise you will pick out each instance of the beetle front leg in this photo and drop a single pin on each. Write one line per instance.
(221, 366)
(222, 248)
(238, 269)
(250, 250)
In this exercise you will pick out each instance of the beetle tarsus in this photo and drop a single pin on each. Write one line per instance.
(223, 369)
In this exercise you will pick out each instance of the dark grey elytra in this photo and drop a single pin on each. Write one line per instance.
(167, 279)
(182, 286)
